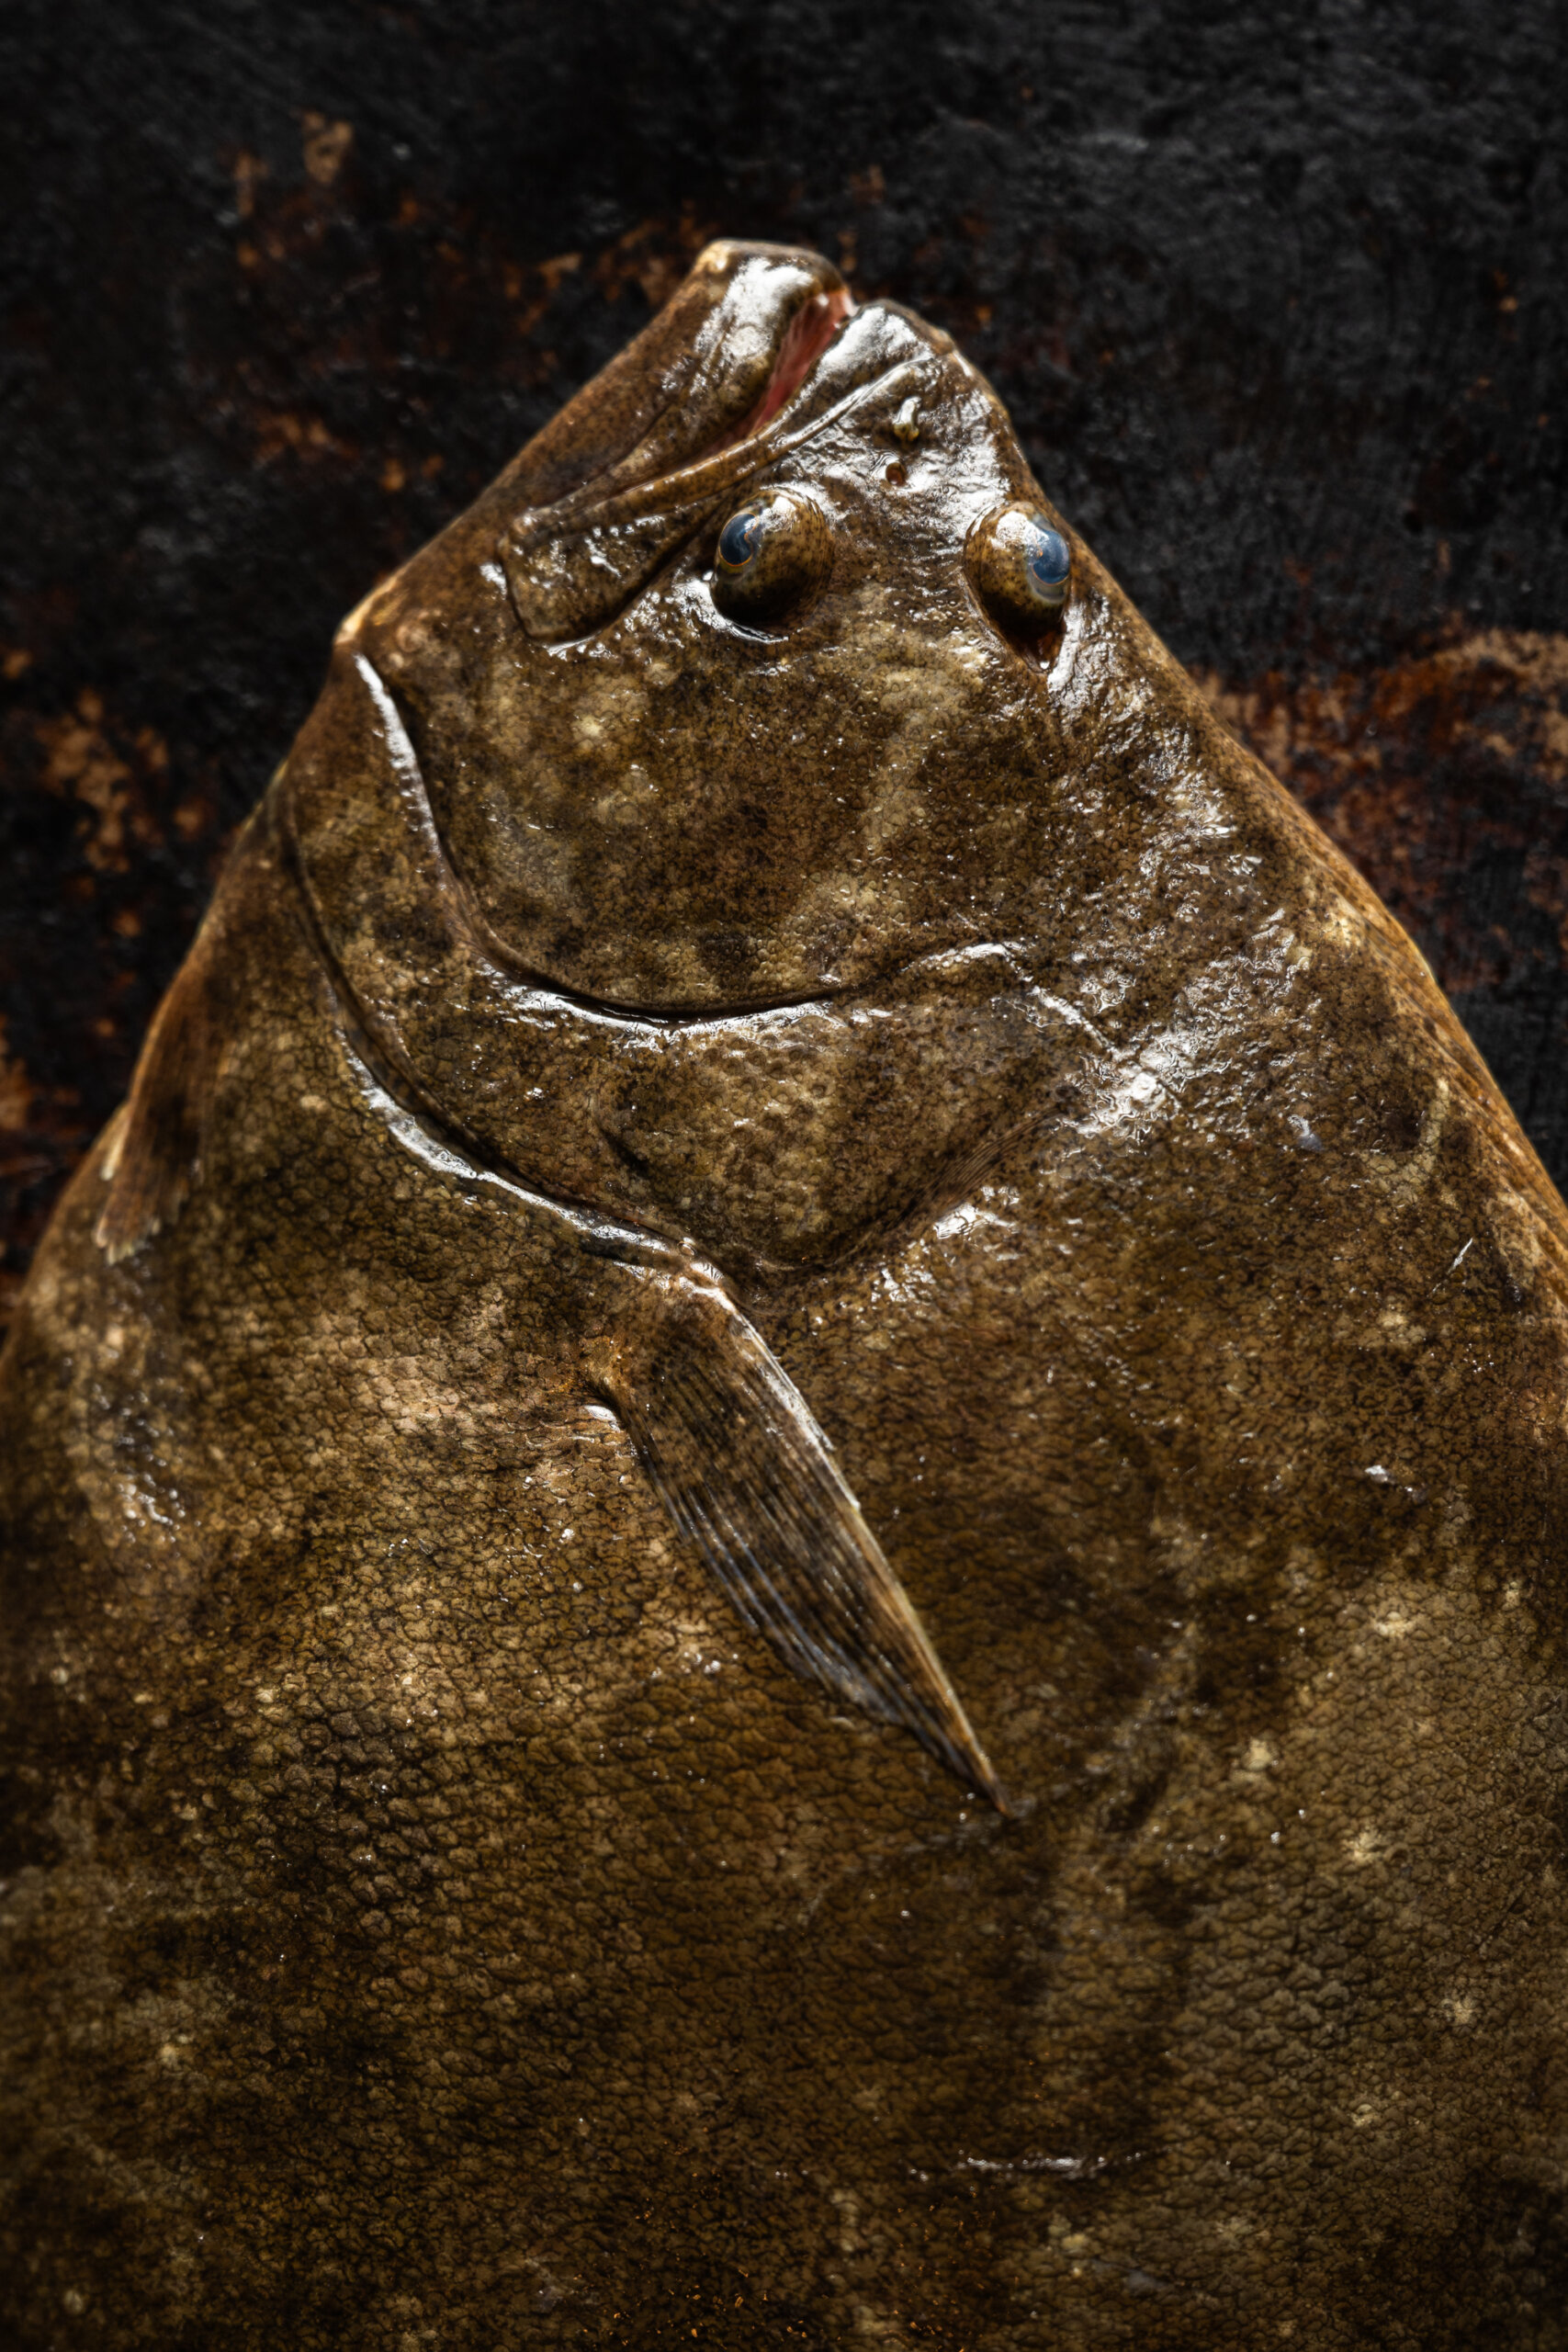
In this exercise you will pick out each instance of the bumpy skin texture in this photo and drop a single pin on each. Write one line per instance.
(443, 1922)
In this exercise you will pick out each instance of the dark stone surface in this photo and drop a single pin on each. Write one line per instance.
(1272, 294)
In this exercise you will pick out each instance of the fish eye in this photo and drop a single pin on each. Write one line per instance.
(770, 556)
(1020, 567)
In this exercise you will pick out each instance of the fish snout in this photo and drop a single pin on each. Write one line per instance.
(608, 487)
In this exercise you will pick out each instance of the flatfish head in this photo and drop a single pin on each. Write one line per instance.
(675, 786)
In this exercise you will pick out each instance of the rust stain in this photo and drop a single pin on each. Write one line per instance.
(42, 1136)
(654, 256)
(548, 277)
(281, 430)
(326, 144)
(81, 760)
(293, 395)
(248, 171)
(16, 1091)
(290, 273)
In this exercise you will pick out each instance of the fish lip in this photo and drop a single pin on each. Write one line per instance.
(707, 478)
(797, 353)
(800, 343)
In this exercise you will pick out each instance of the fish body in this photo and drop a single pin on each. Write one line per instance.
(783, 1523)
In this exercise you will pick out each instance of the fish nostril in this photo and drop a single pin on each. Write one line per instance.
(1020, 567)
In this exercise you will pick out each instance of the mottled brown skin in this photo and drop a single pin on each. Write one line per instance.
(433, 1918)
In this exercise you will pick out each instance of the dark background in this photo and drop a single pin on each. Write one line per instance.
(1273, 293)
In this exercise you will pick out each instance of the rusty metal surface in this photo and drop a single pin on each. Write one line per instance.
(1272, 297)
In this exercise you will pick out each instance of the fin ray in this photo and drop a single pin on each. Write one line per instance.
(156, 1156)
(745, 1473)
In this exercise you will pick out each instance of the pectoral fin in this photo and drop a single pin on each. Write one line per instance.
(734, 1455)
(744, 1471)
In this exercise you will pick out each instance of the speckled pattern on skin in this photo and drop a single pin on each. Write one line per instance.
(443, 1922)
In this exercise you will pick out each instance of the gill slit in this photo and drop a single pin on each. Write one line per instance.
(506, 959)
(613, 1236)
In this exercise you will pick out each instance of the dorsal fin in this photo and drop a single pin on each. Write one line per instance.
(155, 1159)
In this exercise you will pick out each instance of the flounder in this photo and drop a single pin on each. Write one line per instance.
(783, 1523)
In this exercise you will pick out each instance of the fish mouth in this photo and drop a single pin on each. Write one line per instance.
(732, 344)
(782, 353)
(801, 346)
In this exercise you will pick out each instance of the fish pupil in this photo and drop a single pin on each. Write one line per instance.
(737, 541)
(1048, 559)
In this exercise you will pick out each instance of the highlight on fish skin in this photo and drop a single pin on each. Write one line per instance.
(783, 1522)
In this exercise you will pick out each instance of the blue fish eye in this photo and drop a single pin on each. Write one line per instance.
(773, 554)
(737, 541)
(1049, 561)
(1019, 567)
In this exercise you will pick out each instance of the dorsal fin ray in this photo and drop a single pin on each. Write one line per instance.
(155, 1159)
